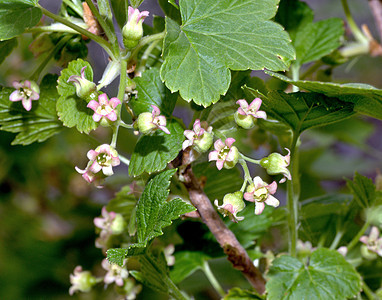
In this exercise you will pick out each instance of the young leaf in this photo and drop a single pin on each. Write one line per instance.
(363, 189)
(153, 212)
(6, 48)
(153, 269)
(71, 109)
(301, 111)
(218, 183)
(16, 16)
(135, 3)
(118, 255)
(186, 263)
(293, 15)
(123, 203)
(151, 91)
(153, 153)
(216, 36)
(316, 40)
(120, 11)
(366, 98)
(38, 124)
(239, 294)
(327, 275)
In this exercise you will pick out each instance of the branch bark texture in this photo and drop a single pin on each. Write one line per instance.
(235, 252)
(376, 9)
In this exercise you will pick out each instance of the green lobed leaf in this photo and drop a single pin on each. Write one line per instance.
(16, 16)
(366, 98)
(325, 205)
(38, 124)
(301, 111)
(327, 275)
(186, 263)
(153, 212)
(293, 15)
(363, 189)
(170, 10)
(239, 294)
(6, 48)
(216, 36)
(315, 40)
(151, 91)
(153, 153)
(71, 109)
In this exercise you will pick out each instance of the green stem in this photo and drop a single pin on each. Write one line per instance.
(368, 292)
(212, 279)
(247, 175)
(146, 40)
(104, 44)
(115, 136)
(295, 69)
(254, 161)
(355, 240)
(359, 36)
(106, 28)
(122, 80)
(124, 160)
(337, 239)
(35, 76)
(293, 195)
(174, 291)
(51, 29)
(146, 56)
(355, 49)
(124, 125)
(77, 9)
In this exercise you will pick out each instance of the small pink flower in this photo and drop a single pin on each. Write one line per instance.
(373, 242)
(26, 91)
(114, 273)
(261, 193)
(104, 109)
(251, 109)
(135, 16)
(201, 136)
(106, 221)
(103, 158)
(158, 120)
(225, 154)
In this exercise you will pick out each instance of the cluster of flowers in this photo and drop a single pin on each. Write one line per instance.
(110, 223)
(226, 156)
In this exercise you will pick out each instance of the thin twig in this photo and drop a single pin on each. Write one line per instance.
(235, 252)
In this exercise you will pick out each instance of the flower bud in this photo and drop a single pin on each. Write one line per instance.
(232, 204)
(147, 122)
(132, 32)
(118, 224)
(275, 163)
(81, 281)
(84, 87)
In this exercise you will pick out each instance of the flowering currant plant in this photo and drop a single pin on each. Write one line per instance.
(191, 161)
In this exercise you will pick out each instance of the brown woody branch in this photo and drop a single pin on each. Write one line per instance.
(235, 252)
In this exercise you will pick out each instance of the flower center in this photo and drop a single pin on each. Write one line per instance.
(261, 194)
(103, 159)
(223, 153)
